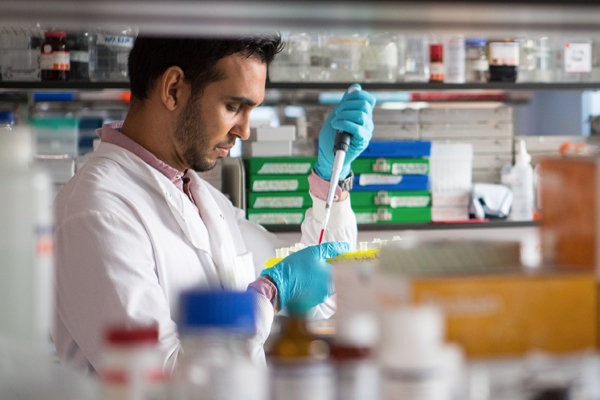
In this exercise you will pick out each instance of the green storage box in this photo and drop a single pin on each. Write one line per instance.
(391, 166)
(279, 200)
(383, 214)
(279, 183)
(274, 216)
(281, 165)
(394, 199)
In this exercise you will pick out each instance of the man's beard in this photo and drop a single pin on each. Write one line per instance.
(191, 134)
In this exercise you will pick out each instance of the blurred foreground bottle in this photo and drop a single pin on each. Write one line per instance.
(132, 367)
(215, 361)
(298, 363)
(26, 246)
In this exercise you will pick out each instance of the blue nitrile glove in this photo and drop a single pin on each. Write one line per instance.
(353, 114)
(305, 276)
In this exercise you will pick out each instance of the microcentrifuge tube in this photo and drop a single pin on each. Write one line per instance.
(285, 251)
(278, 253)
(384, 242)
(396, 238)
(364, 246)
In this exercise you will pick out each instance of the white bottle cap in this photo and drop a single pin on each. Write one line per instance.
(357, 329)
(16, 147)
(522, 156)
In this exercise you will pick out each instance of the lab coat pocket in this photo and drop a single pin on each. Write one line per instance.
(244, 268)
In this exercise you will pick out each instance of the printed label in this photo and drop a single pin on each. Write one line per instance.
(436, 71)
(366, 218)
(358, 380)
(410, 169)
(80, 56)
(115, 41)
(55, 61)
(277, 218)
(279, 202)
(504, 53)
(578, 57)
(377, 179)
(409, 201)
(279, 185)
(284, 168)
(414, 384)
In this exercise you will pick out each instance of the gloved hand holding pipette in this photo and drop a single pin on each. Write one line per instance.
(344, 135)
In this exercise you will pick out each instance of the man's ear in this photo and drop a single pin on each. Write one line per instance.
(174, 90)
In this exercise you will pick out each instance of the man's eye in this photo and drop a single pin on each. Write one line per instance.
(232, 108)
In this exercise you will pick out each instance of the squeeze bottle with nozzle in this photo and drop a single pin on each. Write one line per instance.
(522, 186)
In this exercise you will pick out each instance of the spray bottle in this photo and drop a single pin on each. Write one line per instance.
(522, 186)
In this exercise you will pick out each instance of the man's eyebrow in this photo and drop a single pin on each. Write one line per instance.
(243, 100)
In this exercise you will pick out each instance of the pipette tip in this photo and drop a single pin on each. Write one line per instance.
(321, 236)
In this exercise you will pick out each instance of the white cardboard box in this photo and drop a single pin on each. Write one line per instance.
(281, 133)
(273, 148)
(439, 214)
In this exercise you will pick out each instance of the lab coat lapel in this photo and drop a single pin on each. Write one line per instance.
(221, 242)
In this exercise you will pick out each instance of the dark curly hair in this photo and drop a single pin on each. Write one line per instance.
(151, 57)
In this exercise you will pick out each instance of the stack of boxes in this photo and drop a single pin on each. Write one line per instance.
(278, 189)
(391, 183)
(267, 141)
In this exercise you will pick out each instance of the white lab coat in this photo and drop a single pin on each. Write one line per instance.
(128, 242)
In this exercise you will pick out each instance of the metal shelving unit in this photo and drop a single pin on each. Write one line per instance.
(418, 227)
(400, 86)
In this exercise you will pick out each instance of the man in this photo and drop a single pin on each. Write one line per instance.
(136, 225)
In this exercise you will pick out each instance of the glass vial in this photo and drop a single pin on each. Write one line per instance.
(78, 43)
(20, 53)
(416, 61)
(574, 60)
(436, 62)
(504, 60)
(109, 53)
(379, 60)
(476, 62)
(55, 61)
(454, 59)
(536, 63)
(345, 53)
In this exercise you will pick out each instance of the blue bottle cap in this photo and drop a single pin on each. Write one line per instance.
(476, 41)
(7, 118)
(232, 312)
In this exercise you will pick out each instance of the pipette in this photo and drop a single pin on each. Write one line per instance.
(340, 148)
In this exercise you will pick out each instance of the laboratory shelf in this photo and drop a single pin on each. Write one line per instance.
(61, 85)
(419, 226)
(411, 87)
(319, 86)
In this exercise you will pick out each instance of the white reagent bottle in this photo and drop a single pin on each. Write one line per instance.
(522, 186)
(26, 246)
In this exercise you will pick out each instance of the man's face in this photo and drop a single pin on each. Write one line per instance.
(209, 124)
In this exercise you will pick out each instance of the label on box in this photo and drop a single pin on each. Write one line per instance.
(285, 168)
(279, 202)
(578, 57)
(366, 218)
(276, 218)
(55, 60)
(115, 41)
(409, 201)
(504, 53)
(377, 179)
(279, 185)
(409, 169)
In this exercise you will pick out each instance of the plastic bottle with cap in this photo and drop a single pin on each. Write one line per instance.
(298, 362)
(26, 244)
(7, 120)
(132, 365)
(522, 185)
(411, 356)
(353, 353)
(215, 362)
